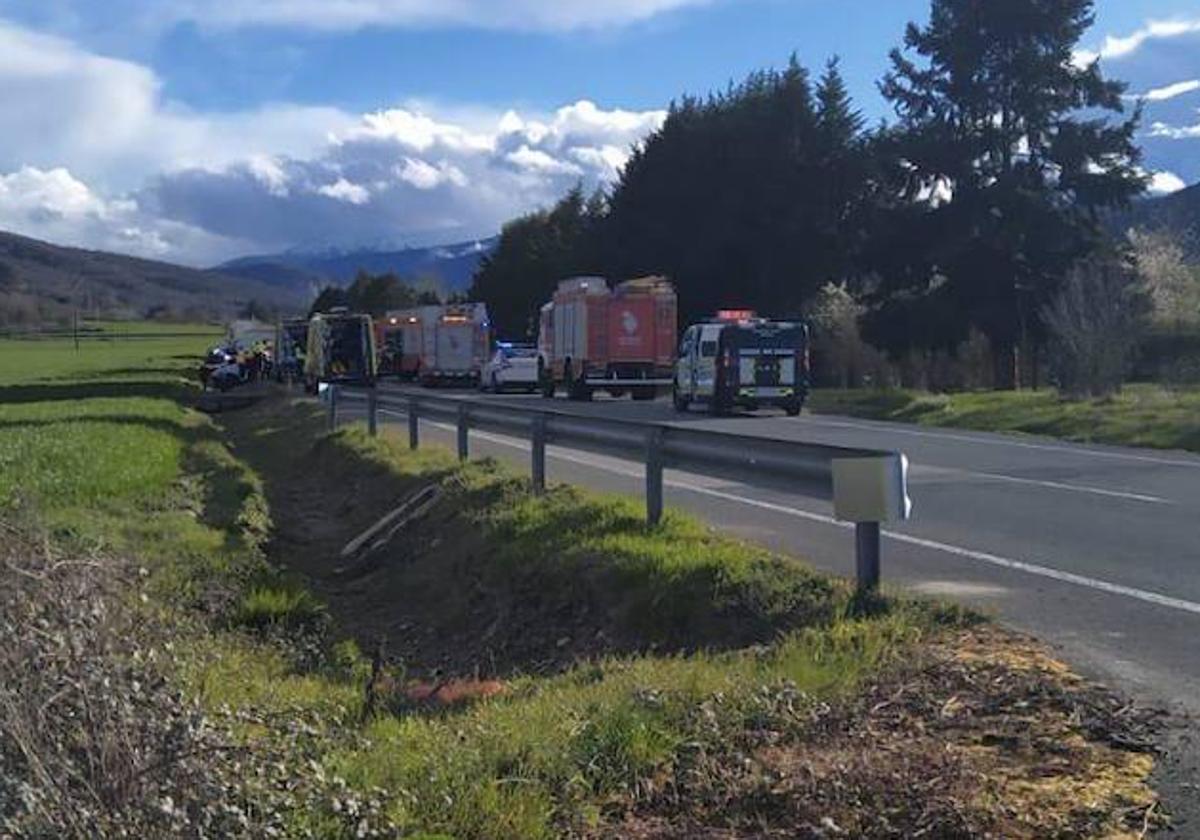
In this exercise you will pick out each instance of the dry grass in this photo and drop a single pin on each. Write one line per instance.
(981, 735)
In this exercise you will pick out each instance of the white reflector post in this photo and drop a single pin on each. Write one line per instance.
(872, 489)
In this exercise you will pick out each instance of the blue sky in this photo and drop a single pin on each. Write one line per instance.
(197, 130)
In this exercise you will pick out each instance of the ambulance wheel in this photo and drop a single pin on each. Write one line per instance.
(793, 408)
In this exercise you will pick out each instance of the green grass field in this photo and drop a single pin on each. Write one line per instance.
(1141, 415)
(103, 427)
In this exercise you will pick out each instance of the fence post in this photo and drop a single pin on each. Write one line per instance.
(372, 411)
(866, 544)
(414, 424)
(463, 429)
(654, 476)
(333, 395)
(539, 453)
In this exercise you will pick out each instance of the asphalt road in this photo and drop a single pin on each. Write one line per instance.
(1094, 549)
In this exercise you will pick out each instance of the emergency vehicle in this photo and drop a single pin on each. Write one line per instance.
(341, 349)
(620, 339)
(437, 344)
(740, 360)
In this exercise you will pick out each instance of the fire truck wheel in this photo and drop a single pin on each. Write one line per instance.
(573, 390)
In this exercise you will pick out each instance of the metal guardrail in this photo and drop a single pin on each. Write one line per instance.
(867, 486)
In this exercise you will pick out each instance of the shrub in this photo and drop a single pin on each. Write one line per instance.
(1094, 325)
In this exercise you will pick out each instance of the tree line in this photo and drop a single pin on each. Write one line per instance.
(374, 294)
(965, 214)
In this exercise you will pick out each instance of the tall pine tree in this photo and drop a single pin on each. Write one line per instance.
(742, 198)
(1004, 148)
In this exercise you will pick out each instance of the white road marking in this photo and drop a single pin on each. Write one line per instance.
(1038, 570)
(897, 428)
(1052, 485)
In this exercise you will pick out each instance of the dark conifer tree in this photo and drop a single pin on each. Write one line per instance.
(1003, 148)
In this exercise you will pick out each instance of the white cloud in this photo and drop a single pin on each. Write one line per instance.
(95, 155)
(405, 175)
(1162, 183)
(270, 174)
(1122, 46)
(343, 190)
(1175, 132)
(414, 130)
(426, 176)
(535, 160)
(526, 15)
(1162, 94)
(55, 194)
(107, 118)
(55, 205)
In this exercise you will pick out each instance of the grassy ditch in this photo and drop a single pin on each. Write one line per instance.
(1141, 415)
(512, 666)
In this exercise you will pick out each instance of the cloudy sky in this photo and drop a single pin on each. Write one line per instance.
(199, 130)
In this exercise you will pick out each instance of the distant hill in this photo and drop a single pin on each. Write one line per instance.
(1178, 213)
(41, 282)
(447, 268)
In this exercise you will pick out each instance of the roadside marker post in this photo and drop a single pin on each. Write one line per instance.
(464, 427)
(868, 491)
(414, 425)
(538, 440)
(654, 476)
(333, 397)
(373, 412)
(866, 555)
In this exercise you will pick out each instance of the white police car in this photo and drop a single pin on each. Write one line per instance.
(512, 367)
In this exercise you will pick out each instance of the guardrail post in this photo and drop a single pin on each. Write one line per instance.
(867, 550)
(333, 395)
(463, 430)
(414, 424)
(539, 453)
(654, 476)
(372, 412)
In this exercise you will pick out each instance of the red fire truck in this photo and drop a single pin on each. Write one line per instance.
(618, 339)
(436, 344)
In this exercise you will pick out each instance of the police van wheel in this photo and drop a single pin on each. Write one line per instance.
(681, 402)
